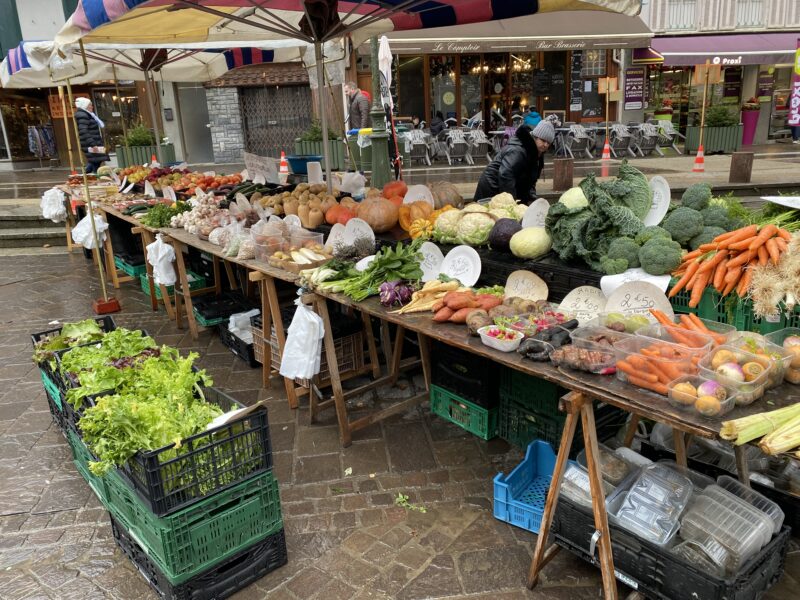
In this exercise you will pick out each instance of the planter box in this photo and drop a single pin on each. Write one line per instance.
(715, 139)
(128, 156)
(335, 147)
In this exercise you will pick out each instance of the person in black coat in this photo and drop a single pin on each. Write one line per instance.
(437, 124)
(90, 135)
(517, 167)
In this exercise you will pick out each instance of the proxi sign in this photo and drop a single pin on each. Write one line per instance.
(721, 60)
(794, 98)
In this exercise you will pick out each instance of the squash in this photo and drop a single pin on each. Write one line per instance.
(444, 193)
(395, 188)
(327, 203)
(290, 206)
(396, 200)
(315, 218)
(344, 215)
(302, 212)
(348, 202)
(408, 213)
(332, 214)
(420, 228)
(379, 213)
(373, 192)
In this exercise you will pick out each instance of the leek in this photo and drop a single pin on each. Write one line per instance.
(749, 428)
(782, 439)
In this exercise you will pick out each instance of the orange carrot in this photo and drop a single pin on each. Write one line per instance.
(692, 255)
(665, 371)
(658, 388)
(631, 370)
(707, 247)
(649, 352)
(742, 245)
(711, 263)
(774, 251)
(744, 283)
(690, 272)
(698, 324)
(733, 274)
(698, 288)
(729, 285)
(767, 231)
(661, 317)
(737, 235)
(783, 245)
(763, 255)
(784, 235)
(742, 258)
(719, 275)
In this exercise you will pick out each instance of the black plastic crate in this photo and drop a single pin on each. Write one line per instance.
(237, 345)
(466, 374)
(341, 325)
(58, 417)
(789, 503)
(212, 310)
(562, 278)
(220, 581)
(660, 575)
(210, 461)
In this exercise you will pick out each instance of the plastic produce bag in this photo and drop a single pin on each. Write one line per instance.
(239, 325)
(82, 232)
(353, 184)
(53, 207)
(301, 354)
(161, 256)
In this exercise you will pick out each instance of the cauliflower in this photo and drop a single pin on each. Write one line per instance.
(623, 254)
(446, 227)
(650, 232)
(502, 200)
(660, 256)
(697, 196)
(474, 228)
(519, 211)
(683, 224)
(530, 242)
(715, 216)
(574, 198)
(706, 237)
(475, 208)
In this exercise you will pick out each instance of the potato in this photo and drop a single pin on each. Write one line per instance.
(526, 306)
(318, 188)
(511, 300)
(478, 318)
(301, 187)
(503, 311)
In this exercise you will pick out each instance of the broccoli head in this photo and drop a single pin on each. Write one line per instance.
(650, 232)
(622, 248)
(706, 237)
(716, 216)
(613, 266)
(660, 256)
(683, 224)
(697, 196)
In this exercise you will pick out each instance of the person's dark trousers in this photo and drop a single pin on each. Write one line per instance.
(92, 166)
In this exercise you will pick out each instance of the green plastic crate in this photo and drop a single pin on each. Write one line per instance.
(745, 320)
(201, 320)
(712, 306)
(132, 270)
(519, 425)
(479, 421)
(190, 541)
(535, 393)
(51, 389)
(196, 282)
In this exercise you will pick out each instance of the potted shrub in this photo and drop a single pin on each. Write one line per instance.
(140, 148)
(723, 132)
(310, 143)
(750, 112)
(665, 112)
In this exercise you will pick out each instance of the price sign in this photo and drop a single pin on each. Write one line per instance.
(244, 175)
(432, 258)
(660, 203)
(115, 177)
(261, 165)
(336, 236)
(128, 189)
(123, 184)
(524, 284)
(584, 302)
(637, 298)
(259, 178)
(610, 283)
(357, 228)
(169, 193)
(149, 190)
(536, 213)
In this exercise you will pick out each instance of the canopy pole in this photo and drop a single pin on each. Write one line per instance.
(703, 106)
(151, 103)
(66, 128)
(381, 173)
(88, 199)
(326, 150)
(119, 105)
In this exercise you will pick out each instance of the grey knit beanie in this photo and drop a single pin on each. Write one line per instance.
(545, 131)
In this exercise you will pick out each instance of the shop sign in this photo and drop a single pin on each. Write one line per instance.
(559, 45)
(576, 82)
(55, 105)
(794, 99)
(766, 85)
(634, 88)
(455, 47)
(725, 61)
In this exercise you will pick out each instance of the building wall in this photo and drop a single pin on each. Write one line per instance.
(40, 19)
(172, 129)
(669, 17)
(227, 137)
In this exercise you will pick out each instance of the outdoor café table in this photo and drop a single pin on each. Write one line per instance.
(499, 139)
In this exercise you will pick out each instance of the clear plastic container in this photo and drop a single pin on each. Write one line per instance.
(750, 513)
(778, 338)
(699, 342)
(575, 485)
(300, 238)
(748, 391)
(709, 555)
(767, 352)
(662, 361)
(613, 468)
(723, 329)
(267, 245)
(706, 518)
(699, 481)
(758, 501)
(632, 457)
(684, 393)
(621, 322)
(592, 350)
(650, 502)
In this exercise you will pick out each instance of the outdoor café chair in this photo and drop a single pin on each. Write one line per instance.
(620, 140)
(456, 146)
(480, 145)
(419, 150)
(579, 139)
(668, 136)
(645, 139)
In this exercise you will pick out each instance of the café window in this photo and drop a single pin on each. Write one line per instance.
(522, 68)
(594, 63)
(471, 71)
(411, 86)
(443, 86)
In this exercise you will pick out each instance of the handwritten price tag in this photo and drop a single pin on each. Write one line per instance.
(660, 203)
(123, 184)
(149, 190)
(128, 189)
(637, 298)
(432, 259)
(527, 285)
(169, 193)
(536, 213)
(259, 178)
(584, 302)
(609, 283)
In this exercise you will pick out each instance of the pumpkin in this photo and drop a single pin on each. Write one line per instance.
(327, 203)
(444, 193)
(396, 200)
(348, 202)
(395, 188)
(408, 213)
(420, 228)
(379, 213)
(332, 214)
(373, 192)
(344, 215)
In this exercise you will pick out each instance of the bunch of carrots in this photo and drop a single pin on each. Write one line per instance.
(691, 323)
(725, 263)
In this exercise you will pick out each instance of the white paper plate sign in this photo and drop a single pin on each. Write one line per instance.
(364, 263)
(536, 213)
(335, 237)
(661, 199)
(293, 221)
(527, 285)
(584, 302)
(357, 228)
(432, 259)
(638, 297)
(789, 201)
(418, 192)
(609, 283)
(462, 263)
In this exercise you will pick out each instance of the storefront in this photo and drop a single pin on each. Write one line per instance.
(498, 71)
(750, 66)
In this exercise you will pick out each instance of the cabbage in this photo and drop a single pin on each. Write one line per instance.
(502, 200)
(574, 198)
(530, 242)
(474, 228)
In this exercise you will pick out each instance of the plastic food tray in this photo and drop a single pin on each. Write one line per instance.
(778, 357)
(698, 342)
(709, 411)
(736, 505)
(777, 338)
(729, 331)
(598, 358)
(748, 391)
(605, 319)
(681, 359)
(759, 501)
(613, 468)
(649, 503)
(576, 487)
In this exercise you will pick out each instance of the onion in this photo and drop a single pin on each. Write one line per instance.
(732, 371)
(712, 388)
(792, 340)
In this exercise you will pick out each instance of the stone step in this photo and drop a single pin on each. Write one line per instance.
(32, 237)
(22, 216)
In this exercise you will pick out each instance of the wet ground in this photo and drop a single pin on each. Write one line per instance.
(346, 536)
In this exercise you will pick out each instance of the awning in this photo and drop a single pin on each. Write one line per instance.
(728, 50)
(577, 30)
(646, 56)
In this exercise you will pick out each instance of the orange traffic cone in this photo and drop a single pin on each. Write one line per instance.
(699, 162)
(606, 151)
(283, 172)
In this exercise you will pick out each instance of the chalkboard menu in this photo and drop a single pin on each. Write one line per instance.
(576, 81)
(542, 82)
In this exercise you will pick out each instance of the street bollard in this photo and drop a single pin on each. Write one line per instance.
(741, 167)
(562, 174)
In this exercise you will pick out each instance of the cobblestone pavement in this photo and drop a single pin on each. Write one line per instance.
(346, 537)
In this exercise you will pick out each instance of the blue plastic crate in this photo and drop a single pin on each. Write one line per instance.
(519, 498)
